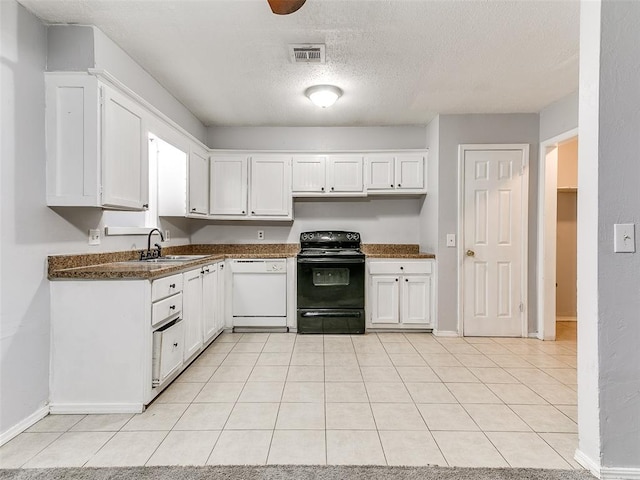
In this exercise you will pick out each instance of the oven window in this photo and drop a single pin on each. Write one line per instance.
(329, 277)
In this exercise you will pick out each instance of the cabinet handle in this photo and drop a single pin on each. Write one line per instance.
(221, 266)
(175, 344)
(173, 285)
(399, 185)
(193, 209)
(172, 307)
(145, 205)
(243, 212)
(401, 268)
(332, 189)
(392, 185)
(396, 279)
(252, 212)
(406, 279)
(322, 189)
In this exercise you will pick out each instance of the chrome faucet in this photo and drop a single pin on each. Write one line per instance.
(146, 255)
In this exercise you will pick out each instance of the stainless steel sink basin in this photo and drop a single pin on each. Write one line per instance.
(171, 259)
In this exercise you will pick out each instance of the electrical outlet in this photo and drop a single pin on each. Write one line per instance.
(260, 234)
(167, 235)
(451, 239)
(94, 236)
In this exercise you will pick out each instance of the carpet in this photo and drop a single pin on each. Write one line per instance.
(287, 472)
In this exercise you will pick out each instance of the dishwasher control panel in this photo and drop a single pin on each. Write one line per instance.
(278, 265)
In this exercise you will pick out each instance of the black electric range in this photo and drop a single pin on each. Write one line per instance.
(331, 276)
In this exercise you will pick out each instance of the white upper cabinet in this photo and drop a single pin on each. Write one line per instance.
(331, 174)
(270, 186)
(243, 188)
(198, 181)
(344, 173)
(309, 174)
(125, 158)
(228, 194)
(97, 152)
(395, 173)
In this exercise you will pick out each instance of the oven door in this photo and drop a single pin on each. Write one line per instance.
(330, 282)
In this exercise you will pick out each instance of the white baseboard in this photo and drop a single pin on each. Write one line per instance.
(20, 427)
(613, 473)
(587, 463)
(87, 408)
(445, 333)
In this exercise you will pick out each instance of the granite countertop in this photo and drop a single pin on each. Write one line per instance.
(394, 250)
(122, 265)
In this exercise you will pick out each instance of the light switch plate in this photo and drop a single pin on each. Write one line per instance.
(451, 239)
(624, 238)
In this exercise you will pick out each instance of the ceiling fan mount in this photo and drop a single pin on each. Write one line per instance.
(285, 7)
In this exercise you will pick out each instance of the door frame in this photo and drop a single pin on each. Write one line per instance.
(547, 228)
(524, 148)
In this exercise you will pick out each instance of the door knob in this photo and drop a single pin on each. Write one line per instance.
(471, 253)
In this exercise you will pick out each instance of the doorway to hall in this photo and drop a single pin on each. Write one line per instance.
(557, 254)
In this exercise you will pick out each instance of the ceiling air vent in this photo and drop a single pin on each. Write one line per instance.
(307, 53)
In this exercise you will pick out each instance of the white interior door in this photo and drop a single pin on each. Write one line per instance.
(493, 248)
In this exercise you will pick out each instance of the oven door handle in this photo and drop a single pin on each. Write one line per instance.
(335, 313)
(335, 261)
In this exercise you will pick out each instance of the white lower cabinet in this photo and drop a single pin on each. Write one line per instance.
(192, 306)
(212, 300)
(168, 350)
(116, 344)
(401, 293)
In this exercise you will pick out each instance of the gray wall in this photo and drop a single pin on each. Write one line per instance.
(559, 117)
(429, 211)
(29, 230)
(618, 274)
(460, 129)
(77, 48)
(316, 138)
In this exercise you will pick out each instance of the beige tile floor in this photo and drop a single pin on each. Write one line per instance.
(388, 398)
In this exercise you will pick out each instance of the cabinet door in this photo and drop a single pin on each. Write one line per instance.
(380, 172)
(198, 182)
(416, 299)
(410, 172)
(125, 162)
(270, 186)
(228, 193)
(210, 301)
(309, 174)
(220, 314)
(192, 310)
(344, 173)
(384, 299)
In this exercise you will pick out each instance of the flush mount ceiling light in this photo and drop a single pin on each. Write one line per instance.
(323, 95)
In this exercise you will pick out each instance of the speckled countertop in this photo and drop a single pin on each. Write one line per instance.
(122, 265)
(394, 250)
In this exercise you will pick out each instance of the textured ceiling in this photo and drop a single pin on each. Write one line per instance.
(399, 62)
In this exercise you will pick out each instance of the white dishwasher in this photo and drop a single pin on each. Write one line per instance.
(259, 293)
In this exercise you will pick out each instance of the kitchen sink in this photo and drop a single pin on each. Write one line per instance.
(171, 259)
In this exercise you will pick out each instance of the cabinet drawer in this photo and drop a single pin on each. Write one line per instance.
(401, 268)
(163, 287)
(163, 309)
(167, 351)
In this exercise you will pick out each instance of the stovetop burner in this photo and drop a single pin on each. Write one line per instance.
(330, 243)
